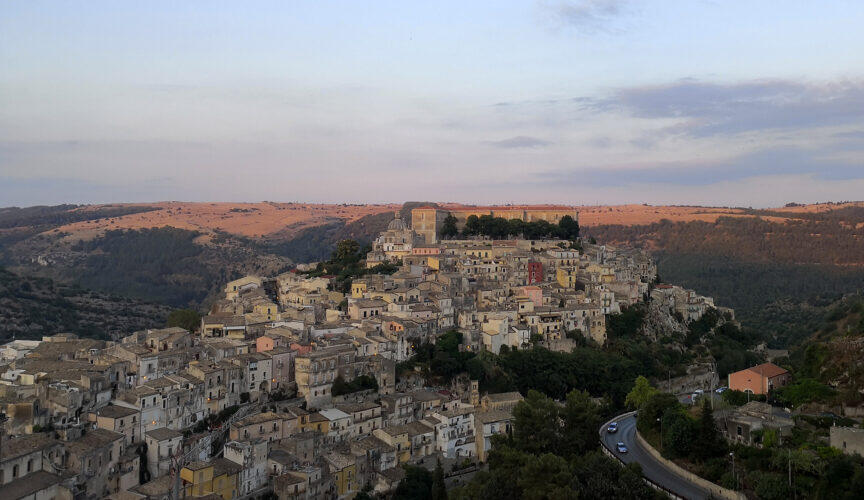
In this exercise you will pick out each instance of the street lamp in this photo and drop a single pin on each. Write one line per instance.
(661, 434)
(734, 479)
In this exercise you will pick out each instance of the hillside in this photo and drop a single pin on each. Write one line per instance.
(252, 220)
(833, 355)
(176, 267)
(176, 253)
(779, 269)
(31, 307)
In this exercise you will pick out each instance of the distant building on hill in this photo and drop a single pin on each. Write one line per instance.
(427, 221)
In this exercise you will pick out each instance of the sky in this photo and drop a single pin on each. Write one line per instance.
(583, 102)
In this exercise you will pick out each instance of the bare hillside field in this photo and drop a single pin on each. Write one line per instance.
(244, 219)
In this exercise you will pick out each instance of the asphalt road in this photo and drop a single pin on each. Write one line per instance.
(651, 468)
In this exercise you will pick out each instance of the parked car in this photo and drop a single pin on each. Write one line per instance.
(622, 448)
(721, 390)
(612, 428)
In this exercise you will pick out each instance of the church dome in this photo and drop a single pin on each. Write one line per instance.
(396, 224)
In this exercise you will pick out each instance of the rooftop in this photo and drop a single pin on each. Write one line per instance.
(163, 434)
(29, 485)
(116, 411)
(768, 370)
(19, 446)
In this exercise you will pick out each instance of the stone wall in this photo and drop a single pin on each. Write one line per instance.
(849, 440)
(715, 489)
(699, 376)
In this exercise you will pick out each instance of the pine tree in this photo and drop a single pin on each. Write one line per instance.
(439, 488)
(712, 443)
(448, 229)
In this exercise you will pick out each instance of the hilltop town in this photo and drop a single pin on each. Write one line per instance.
(301, 385)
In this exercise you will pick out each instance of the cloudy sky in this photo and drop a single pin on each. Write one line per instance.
(721, 102)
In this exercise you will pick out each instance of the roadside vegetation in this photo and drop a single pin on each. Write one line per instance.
(553, 452)
(800, 465)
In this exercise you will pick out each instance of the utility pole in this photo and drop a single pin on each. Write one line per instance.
(734, 478)
(790, 473)
(2, 431)
(661, 434)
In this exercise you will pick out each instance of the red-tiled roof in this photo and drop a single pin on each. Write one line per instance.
(769, 370)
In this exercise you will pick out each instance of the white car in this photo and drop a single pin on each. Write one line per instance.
(622, 448)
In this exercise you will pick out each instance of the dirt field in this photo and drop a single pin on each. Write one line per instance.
(246, 219)
(263, 219)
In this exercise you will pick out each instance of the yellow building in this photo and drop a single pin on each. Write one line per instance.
(344, 472)
(357, 290)
(314, 422)
(217, 477)
(267, 310)
(397, 437)
(233, 288)
(566, 277)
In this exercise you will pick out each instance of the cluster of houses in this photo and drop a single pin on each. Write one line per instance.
(245, 405)
(177, 415)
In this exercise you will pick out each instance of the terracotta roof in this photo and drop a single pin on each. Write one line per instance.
(768, 370)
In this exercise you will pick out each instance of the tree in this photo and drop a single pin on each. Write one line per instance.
(536, 422)
(544, 477)
(711, 443)
(187, 319)
(771, 486)
(598, 476)
(654, 409)
(678, 432)
(581, 418)
(806, 390)
(448, 229)
(450, 341)
(641, 393)
(439, 488)
(472, 225)
(346, 252)
(568, 228)
(415, 485)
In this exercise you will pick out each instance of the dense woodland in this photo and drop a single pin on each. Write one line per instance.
(32, 307)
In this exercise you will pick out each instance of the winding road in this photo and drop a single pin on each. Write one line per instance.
(652, 469)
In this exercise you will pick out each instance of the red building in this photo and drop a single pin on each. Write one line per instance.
(535, 272)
